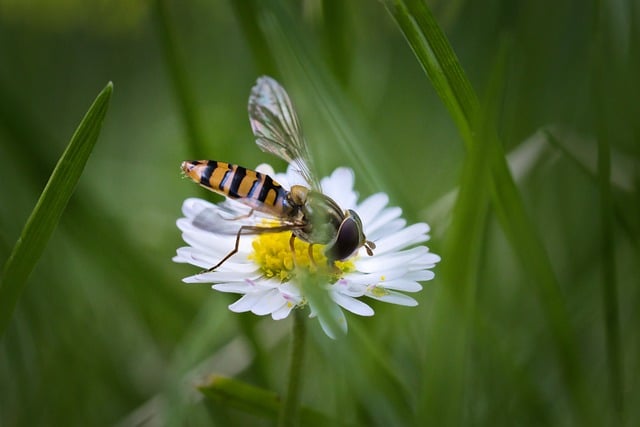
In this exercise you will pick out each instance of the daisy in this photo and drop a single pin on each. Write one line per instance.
(271, 278)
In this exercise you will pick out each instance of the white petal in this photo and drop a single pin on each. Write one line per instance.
(282, 179)
(352, 304)
(376, 277)
(243, 287)
(204, 261)
(218, 245)
(390, 228)
(230, 208)
(290, 292)
(382, 219)
(369, 209)
(266, 169)
(393, 297)
(419, 275)
(200, 278)
(339, 186)
(283, 311)
(184, 224)
(390, 260)
(190, 256)
(208, 242)
(347, 287)
(402, 285)
(270, 302)
(247, 302)
(225, 276)
(415, 233)
(432, 259)
(193, 205)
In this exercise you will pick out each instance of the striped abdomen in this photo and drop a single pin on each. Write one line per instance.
(252, 188)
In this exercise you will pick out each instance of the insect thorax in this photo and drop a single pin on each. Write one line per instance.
(320, 214)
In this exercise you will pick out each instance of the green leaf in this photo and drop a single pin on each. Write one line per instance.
(48, 210)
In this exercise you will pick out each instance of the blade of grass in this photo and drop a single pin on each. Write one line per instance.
(446, 76)
(48, 210)
(129, 263)
(443, 396)
(455, 310)
(618, 163)
(609, 279)
(290, 409)
(440, 63)
(601, 82)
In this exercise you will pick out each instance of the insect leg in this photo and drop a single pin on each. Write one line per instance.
(243, 216)
(313, 260)
(230, 254)
(250, 229)
(292, 239)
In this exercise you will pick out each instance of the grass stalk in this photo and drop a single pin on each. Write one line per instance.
(290, 408)
(600, 81)
(52, 202)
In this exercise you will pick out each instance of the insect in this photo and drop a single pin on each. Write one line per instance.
(310, 215)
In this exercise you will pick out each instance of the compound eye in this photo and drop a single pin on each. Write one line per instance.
(348, 240)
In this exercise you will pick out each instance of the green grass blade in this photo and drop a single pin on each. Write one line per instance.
(438, 60)
(48, 210)
(290, 408)
(621, 170)
(602, 76)
(609, 279)
(450, 371)
(441, 65)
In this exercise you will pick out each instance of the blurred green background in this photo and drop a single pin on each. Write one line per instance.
(107, 334)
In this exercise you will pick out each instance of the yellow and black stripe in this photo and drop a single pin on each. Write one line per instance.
(252, 188)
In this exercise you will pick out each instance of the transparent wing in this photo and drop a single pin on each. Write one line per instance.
(276, 127)
(219, 221)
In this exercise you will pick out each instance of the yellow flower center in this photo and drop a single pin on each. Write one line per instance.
(272, 252)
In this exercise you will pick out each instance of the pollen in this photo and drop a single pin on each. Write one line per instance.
(378, 291)
(272, 252)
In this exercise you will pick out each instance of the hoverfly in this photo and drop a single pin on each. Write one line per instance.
(310, 215)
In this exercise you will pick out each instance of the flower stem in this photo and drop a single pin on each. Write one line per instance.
(289, 409)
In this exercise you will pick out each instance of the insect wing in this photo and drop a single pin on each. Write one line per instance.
(229, 222)
(212, 220)
(276, 127)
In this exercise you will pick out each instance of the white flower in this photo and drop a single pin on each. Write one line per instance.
(264, 273)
